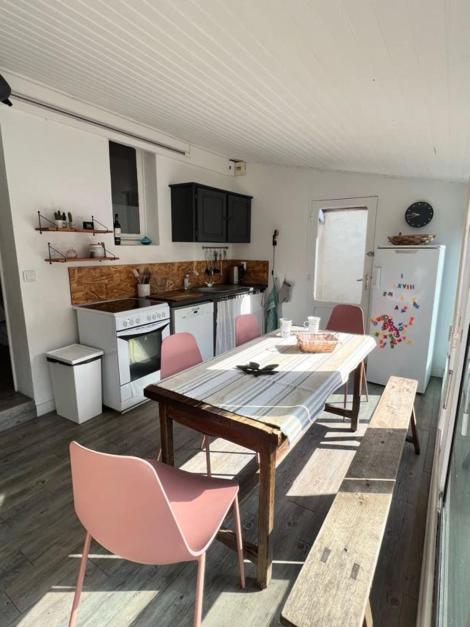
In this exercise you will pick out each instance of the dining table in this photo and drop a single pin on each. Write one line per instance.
(267, 414)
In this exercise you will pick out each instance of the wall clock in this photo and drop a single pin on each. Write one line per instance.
(419, 214)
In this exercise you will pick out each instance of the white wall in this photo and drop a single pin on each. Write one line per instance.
(283, 199)
(50, 164)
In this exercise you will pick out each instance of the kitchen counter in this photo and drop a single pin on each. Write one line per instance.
(178, 298)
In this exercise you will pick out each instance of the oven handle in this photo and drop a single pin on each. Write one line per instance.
(142, 330)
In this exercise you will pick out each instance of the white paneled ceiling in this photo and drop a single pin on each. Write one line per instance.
(362, 85)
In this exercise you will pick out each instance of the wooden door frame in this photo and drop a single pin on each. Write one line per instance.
(368, 202)
(7, 320)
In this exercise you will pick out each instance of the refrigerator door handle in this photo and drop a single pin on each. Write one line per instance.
(376, 277)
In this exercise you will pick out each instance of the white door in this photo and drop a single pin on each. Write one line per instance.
(344, 232)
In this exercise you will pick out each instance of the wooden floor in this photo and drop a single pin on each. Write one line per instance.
(40, 537)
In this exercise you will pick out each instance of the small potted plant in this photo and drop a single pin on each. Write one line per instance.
(60, 219)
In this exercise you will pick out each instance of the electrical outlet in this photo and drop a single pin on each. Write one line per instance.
(29, 276)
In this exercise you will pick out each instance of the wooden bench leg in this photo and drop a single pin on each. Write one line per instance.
(368, 621)
(414, 432)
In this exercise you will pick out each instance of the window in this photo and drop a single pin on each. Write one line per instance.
(340, 250)
(134, 192)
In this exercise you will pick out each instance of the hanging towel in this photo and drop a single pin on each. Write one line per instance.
(285, 293)
(272, 303)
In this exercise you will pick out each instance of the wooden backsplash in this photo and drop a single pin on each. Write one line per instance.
(105, 282)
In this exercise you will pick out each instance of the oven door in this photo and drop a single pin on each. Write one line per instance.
(139, 350)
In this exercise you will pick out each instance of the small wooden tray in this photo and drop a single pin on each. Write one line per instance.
(316, 342)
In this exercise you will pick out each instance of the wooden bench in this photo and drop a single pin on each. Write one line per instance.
(333, 587)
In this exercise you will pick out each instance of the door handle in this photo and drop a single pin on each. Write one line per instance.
(359, 280)
(450, 374)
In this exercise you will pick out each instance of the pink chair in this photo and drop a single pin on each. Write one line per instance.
(179, 352)
(246, 328)
(150, 513)
(349, 319)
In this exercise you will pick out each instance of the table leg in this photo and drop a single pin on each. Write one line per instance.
(267, 484)
(166, 435)
(356, 405)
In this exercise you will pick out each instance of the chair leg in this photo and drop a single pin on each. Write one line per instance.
(205, 444)
(238, 531)
(364, 381)
(201, 567)
(81, 577)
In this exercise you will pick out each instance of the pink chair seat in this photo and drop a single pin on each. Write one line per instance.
(246, 328)
(196, 499)
(179, 351)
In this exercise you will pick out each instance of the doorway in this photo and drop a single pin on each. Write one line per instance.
(7, 384)
(343, 253)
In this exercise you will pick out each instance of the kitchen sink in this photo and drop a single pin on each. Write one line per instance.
(223, 289)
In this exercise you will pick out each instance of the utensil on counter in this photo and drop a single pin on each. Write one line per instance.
(143, 277)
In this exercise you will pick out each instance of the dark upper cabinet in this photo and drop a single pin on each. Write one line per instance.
(205, 214)
(238, 218)
(211, 215)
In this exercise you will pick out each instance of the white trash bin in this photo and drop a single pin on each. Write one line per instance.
(76, 381)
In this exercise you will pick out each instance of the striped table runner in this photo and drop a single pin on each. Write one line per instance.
(292, 398)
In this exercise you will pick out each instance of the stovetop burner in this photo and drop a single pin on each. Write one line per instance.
(123, 304)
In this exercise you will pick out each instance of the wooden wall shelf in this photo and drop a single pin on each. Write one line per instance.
(51, 228)
(61, 258)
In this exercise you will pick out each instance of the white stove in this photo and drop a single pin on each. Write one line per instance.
(130, 331)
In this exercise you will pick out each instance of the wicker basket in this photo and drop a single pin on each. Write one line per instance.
(316, 342)
(410, 240)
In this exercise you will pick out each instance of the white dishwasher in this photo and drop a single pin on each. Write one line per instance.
(197, 319)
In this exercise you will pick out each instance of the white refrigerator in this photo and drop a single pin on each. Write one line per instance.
(405, 289)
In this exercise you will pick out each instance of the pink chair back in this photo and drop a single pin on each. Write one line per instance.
(120, 501)
(346, 319)
(179, 351)
(246, 328)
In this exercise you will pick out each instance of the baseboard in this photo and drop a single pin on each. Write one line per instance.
(437, 372)
(45, 407)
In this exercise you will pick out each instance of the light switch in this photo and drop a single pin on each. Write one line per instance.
(29, 276)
